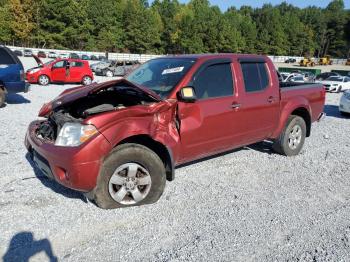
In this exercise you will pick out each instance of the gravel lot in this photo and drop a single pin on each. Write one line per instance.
(247, 205)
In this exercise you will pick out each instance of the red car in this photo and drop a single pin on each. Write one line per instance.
(60, 71)
(121, 140)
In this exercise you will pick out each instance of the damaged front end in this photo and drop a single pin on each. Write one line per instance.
(72, 108)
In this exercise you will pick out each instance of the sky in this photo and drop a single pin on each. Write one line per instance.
(224, 4)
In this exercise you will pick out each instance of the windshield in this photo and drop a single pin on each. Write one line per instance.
(161, 75)
(335, 78)
(47, 63)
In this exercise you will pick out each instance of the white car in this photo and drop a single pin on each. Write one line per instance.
(63, 56)
(344, 106)
(336, 83)
(294, 78)
(52, 55)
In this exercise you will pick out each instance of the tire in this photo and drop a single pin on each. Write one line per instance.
(289, 143)
(87, 80)
(2, 97)
(43, 80)
(339, 89)
(109, 73)
(120, 161)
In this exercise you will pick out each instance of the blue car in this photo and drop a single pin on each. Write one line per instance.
(11, 74)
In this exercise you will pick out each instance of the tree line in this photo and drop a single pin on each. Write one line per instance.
(168, 27)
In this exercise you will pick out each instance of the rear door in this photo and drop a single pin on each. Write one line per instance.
(75, 72)
(260, 100)
(59, 71)
(212, 123)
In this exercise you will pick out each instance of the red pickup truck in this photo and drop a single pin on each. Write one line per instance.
(119, 141)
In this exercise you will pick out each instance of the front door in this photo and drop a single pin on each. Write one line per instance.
(213, 122)
(58, 71)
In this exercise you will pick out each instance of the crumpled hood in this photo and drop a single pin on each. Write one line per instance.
(75, 93)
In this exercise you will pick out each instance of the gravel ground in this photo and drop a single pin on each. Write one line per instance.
(247, 205)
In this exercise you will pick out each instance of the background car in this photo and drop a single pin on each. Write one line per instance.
(52, 55)
(336, 83)
(290, 60)
(121, 68)
(74, 56)
(41, 54)
(18, 52)
(102, 58)
(61, 71)
(85, 57)
(11, 74)
(27, 53)
(325, 75)
(93, 57)
(63, 56)
(344, 105)
(100, 65)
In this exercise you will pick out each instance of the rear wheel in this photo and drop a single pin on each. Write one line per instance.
(43, 80)
(109, 73)
(132, 175)
(2, 97)
(86, 80)
(292, 139)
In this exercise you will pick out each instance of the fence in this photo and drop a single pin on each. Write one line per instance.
(145, 57)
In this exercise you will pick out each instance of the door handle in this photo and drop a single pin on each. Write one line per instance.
(270, 99)
(235, 105)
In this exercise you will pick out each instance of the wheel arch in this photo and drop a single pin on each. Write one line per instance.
(304, 114)
(164, 153)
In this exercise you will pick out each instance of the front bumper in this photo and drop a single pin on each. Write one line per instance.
(344, 105)
(73, 167)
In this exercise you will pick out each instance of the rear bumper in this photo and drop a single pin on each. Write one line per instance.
(73, 167)
(16, 87)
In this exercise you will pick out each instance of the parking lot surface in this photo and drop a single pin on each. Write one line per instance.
(249, 204)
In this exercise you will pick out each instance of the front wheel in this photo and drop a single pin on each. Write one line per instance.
(43, 80)
(339, 89)
(86, 80)
(131, 175)
(292, 139)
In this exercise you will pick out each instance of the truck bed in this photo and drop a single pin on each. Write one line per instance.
(313, 92)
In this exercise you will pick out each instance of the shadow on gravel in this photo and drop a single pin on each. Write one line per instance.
(333, 111)
(23, 246)
(16, 99)
(263, 147)
(53, 185)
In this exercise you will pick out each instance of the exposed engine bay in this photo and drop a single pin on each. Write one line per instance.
(110, 98)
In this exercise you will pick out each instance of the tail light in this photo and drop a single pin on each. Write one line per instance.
(22, 75)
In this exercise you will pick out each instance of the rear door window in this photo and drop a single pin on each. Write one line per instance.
(255, 76)
(214, 81)
(76, 64)
(6, 58)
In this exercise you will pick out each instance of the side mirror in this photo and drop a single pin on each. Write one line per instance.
(187, 94)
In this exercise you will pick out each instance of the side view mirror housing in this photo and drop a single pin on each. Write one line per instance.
(187, 94)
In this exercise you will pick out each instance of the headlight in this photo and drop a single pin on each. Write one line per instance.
(32, 71)
(335, 84)
(74, 134)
